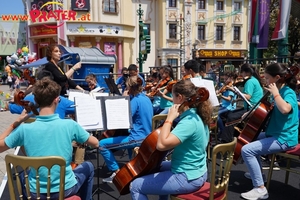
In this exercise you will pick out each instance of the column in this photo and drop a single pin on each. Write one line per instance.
(120, 56)
(35, 48)
(72, 40)
(98, 42)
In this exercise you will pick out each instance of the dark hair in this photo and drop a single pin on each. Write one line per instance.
(188, 89)
(201, 68)
(169, 70)
(250, 69)
(49, 51)
(132, 67)
(91, 76)
(124, 69)
(155, 75)
(45, 91)
(231, 75)
(284, 72)
(192, 64)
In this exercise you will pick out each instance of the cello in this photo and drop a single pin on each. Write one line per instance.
(148, 159)
(256, 119)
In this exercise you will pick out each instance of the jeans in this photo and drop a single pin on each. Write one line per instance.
(108, 155)
(164, 183)
(84, 174)
(164, 111)
(220, 123)
(251, 155)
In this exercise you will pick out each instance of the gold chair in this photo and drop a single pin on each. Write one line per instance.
(16, 163)
(291, 155)
(157, 119)
(222, 158)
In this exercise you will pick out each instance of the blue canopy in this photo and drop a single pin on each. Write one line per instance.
(37, 63)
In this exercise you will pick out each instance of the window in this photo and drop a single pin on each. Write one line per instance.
(219, 35)
(201, 32)
(110, 6)
(172, 3)
(236, 33)
(173, 62)
(237, 6)
(201, 4)
(220, 5)
(172, 31)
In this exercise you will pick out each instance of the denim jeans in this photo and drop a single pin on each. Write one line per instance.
(84, 174)
(251, 155)
(164, 183)
(108, 155)
(165, 111)
(220, 121)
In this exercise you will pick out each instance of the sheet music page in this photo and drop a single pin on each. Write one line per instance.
(73, 94)
(89, 113)
(209, 85)
(98, 94)
(117, 113)
(242, 96)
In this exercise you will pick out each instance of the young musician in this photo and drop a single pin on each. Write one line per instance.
(92, 82)
(59, 76)
(192, 67)
(252, 91)
(36, 138)
(281, 133)
(121, 81)
(142, 113)
(133, 71)
(187, 171)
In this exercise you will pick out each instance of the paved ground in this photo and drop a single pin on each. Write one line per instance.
(237, 184)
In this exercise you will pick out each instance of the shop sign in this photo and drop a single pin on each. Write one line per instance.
(220, 53)
(42, 30)
(44, 44)
(80, 5)
(94, 29)
(110, 48)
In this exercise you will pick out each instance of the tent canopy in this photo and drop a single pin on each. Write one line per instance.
(37, 63)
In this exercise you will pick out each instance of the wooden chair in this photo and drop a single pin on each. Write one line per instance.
(157, 120)
(16, 163)
(291, 155)
(222, 158)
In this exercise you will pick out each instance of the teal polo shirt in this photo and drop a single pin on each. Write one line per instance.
(190, 155)
(253, 88)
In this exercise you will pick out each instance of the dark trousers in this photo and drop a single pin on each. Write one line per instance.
(228, 132)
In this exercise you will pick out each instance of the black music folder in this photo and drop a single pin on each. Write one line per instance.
(113, 89)
(104, 112)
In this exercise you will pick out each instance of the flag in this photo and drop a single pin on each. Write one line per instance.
(263, 23)
(282, 20)
(252, 19)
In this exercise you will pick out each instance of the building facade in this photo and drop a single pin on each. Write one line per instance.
(209, 30)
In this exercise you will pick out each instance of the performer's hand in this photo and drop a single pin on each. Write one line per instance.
(173, 112)
(159, 93)
(77, 66)
(272, 88)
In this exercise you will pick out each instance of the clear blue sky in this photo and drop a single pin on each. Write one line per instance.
(11, 7)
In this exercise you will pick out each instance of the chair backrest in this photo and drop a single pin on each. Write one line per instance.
(222, 158)
(157, 120)
(17, 164)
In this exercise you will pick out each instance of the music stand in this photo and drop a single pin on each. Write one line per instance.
(113, 89)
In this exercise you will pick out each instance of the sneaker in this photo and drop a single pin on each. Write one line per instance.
(247, 175)
(255, 194)
(265, 164)
(109, 179)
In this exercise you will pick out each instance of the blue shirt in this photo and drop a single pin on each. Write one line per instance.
(284, 127)
(190, 155)
(228, 104)
(253, 88)
(142, 113)
(49, 136)
(121, 81)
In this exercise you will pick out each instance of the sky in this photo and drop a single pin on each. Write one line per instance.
(11, 7)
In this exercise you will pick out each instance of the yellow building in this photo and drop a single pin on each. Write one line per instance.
(216, 29)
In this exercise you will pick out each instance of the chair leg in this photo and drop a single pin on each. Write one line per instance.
(270, 171)
(287, 173)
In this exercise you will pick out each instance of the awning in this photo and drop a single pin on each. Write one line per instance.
(37, 63)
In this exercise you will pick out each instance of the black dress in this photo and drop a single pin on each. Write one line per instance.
(60, 78)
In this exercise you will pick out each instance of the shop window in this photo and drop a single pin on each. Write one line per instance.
(201, 32)
(237, 6)
(172, 3)
(172, 31)
(109, 6)
(237, 33)
(220, 5)
(219, 33)
(201, 4)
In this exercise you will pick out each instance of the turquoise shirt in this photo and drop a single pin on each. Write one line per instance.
(228, 104)
(285, 127)
(190, 155)
(253, 88)
(49, 136)
(164, 103)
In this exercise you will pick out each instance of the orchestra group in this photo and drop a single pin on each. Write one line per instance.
(184, 134)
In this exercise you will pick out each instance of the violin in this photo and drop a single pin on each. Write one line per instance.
(149, 159)
(149, 85)
(241, 81)
(28, 106)
(225, 87)
(161, 84)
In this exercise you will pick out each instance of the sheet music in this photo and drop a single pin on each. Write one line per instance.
(72, 94)
(89, 113)
(242, 96)
(209, 85)
(98, 94)
(117, 112)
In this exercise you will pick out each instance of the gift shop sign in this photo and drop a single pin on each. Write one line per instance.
(42, 30)
(94, 29)
(45, 13)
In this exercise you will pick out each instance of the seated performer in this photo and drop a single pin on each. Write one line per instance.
(281, 132)
(187, 172)
(253, 92)
(142, 113)
(92, 82)
(60, 131)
